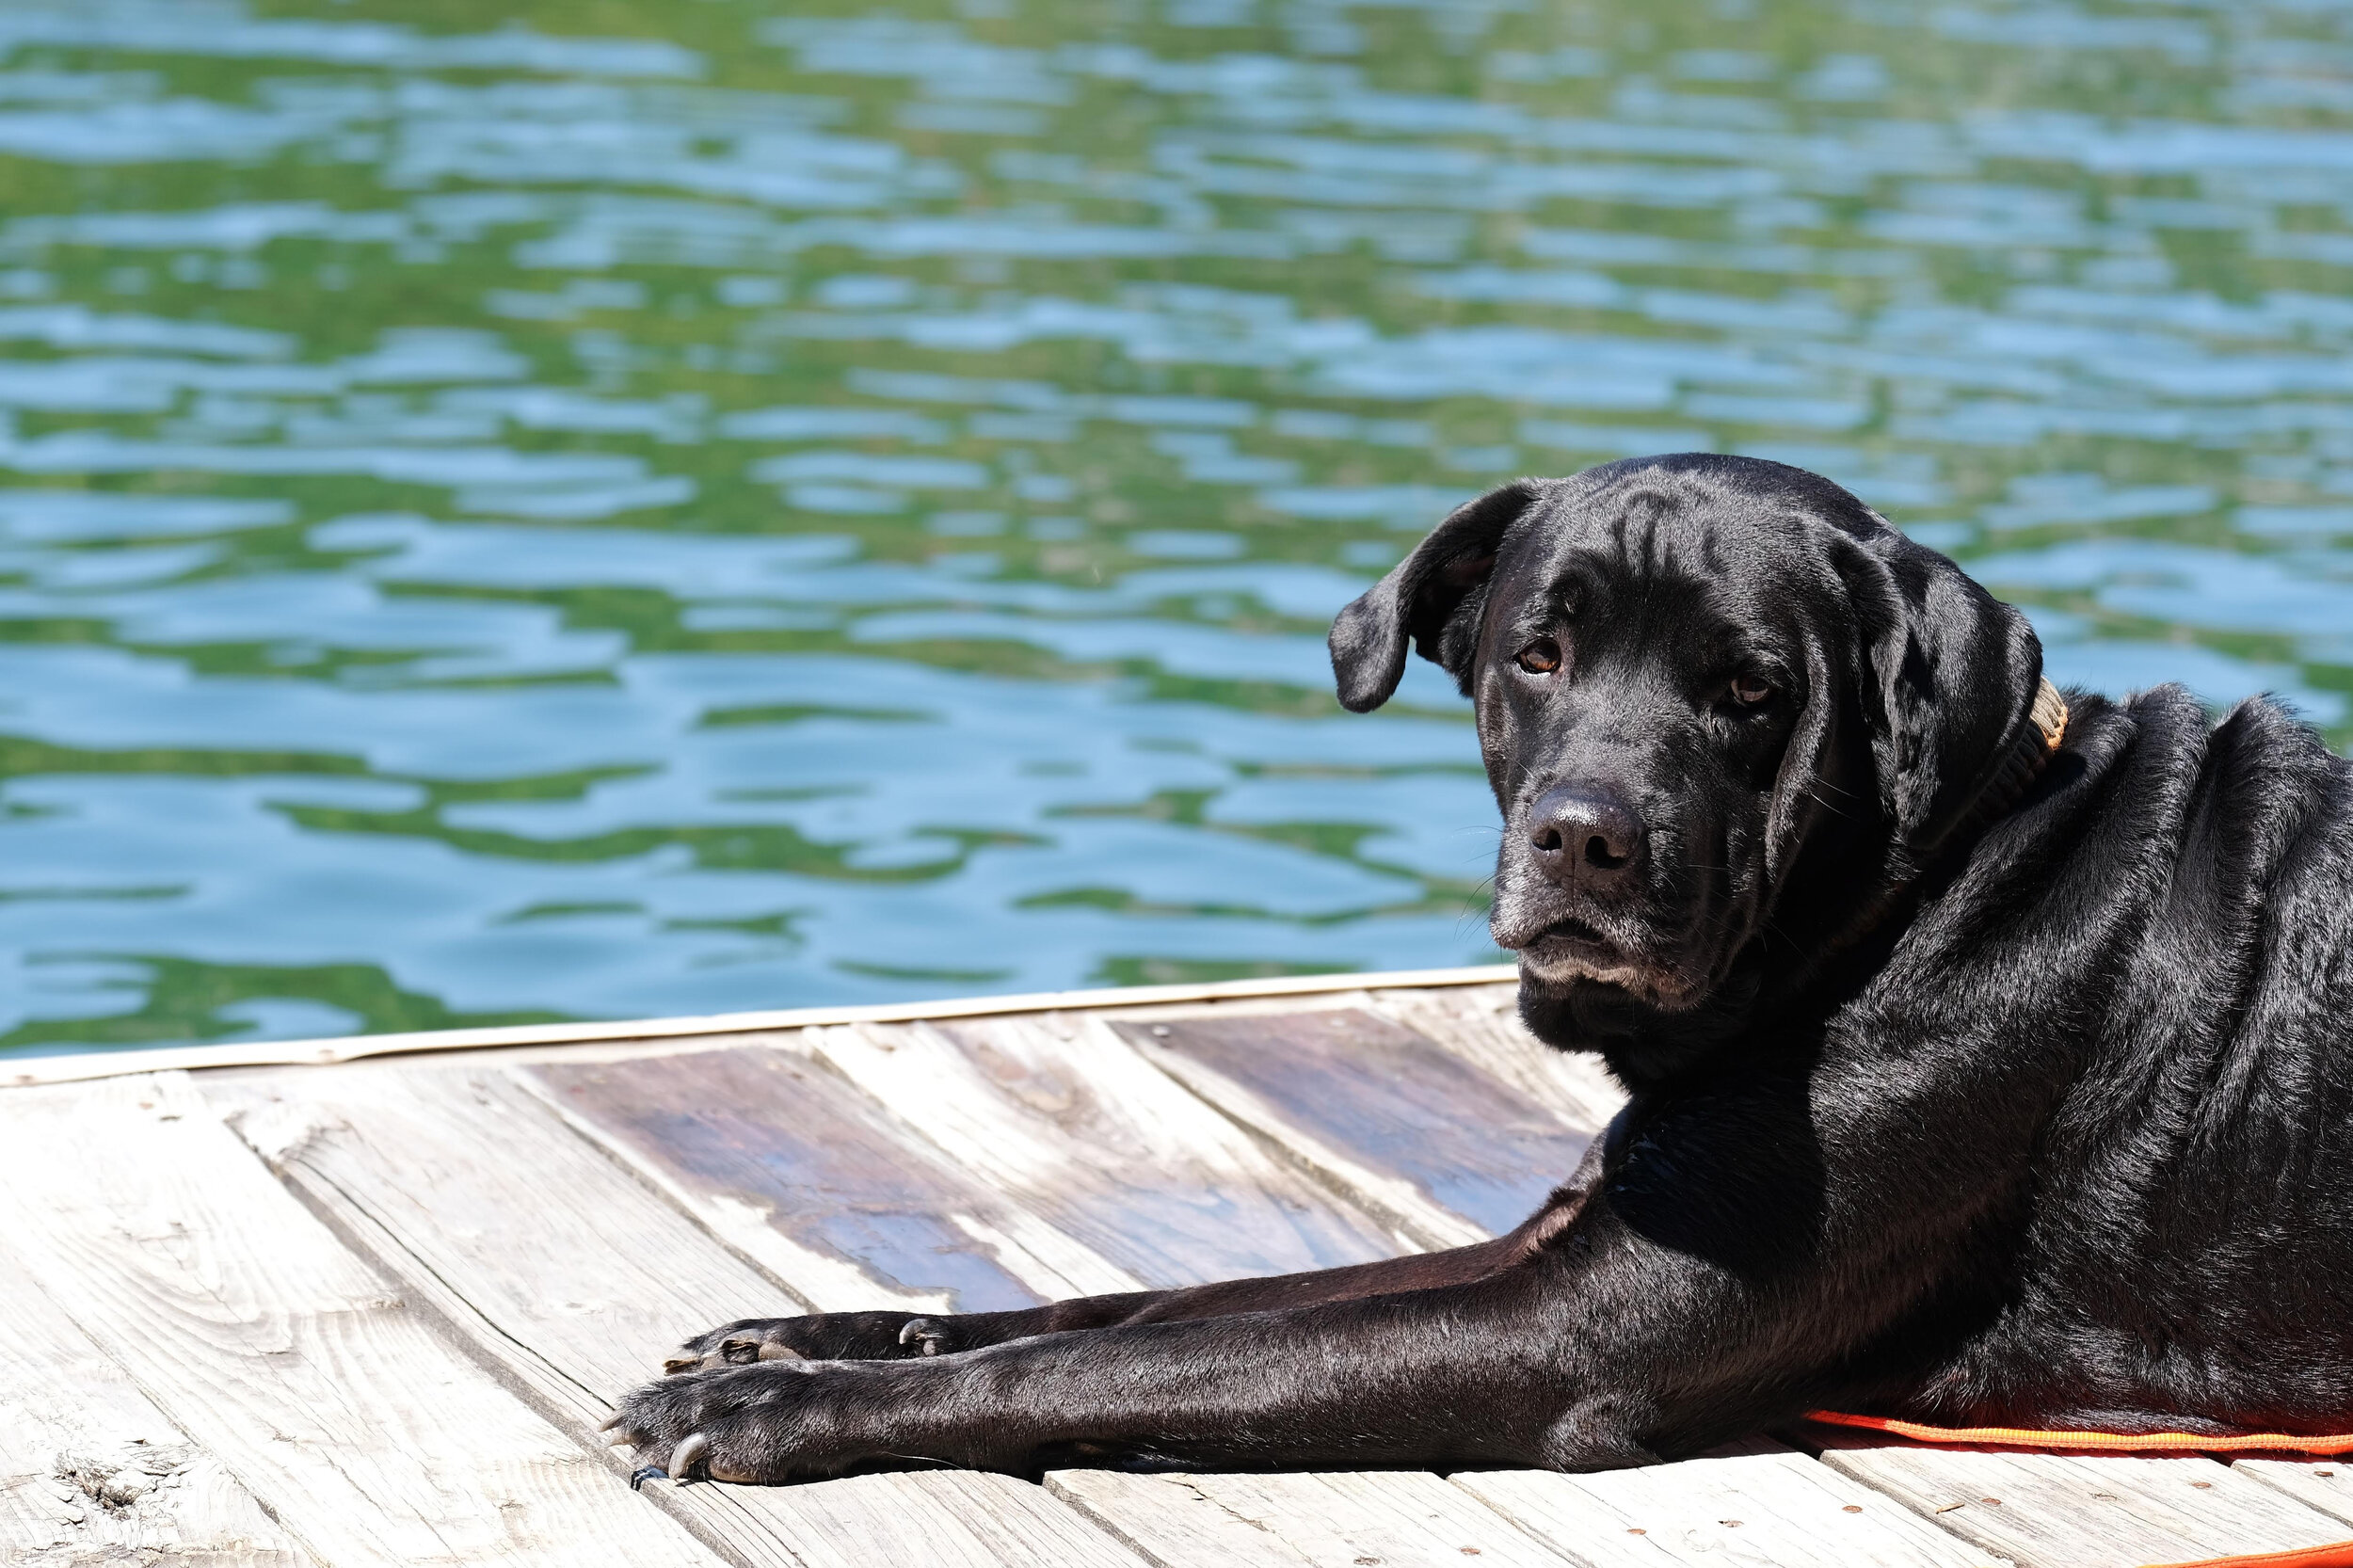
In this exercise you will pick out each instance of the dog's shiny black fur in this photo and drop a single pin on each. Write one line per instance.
(2032, 1112)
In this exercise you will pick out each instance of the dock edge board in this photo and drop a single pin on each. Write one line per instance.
(27, 1071)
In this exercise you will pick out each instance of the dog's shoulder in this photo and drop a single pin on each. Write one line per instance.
(2172, 904)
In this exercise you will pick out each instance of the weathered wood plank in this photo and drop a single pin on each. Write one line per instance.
(978, 1521)
(2326, 1484)
(1412, 1129)
(1400, 1519)
(1754, 1502)
(1173, 1522)
(91, 1472)
(574, 1281)
(272, 1346)
(1064, 1120)
(569, 1279)
(466, 1187)
(803, 1172)
(2084, 1510)
(1481, 1023)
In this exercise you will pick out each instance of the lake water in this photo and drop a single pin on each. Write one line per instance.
(671, 507)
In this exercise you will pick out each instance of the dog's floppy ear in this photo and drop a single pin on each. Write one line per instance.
(1948, 683)
(1422, 598)
(1798, 788)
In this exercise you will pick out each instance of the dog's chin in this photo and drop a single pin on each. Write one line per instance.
(1570, 953)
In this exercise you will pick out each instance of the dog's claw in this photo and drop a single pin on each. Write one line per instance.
(678, 1364)
(645, 1473)
(688, 1454)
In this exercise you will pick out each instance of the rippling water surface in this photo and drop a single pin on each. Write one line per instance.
(667, 508)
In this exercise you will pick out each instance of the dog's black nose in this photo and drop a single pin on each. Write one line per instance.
(1585, 836)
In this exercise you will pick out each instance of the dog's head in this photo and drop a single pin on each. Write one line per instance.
(1724, 707)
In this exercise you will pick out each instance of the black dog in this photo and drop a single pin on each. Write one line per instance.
(1980, 1075)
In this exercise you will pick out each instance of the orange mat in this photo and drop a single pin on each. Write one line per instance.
(2337, 1554)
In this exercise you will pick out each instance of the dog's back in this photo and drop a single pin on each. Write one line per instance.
(2175, 956)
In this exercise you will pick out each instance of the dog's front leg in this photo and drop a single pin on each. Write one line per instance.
(899, 1335)
(1473, 1374)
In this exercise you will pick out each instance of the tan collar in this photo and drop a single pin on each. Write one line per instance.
(2049, 715)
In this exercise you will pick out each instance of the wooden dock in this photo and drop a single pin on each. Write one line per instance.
(373, 1312)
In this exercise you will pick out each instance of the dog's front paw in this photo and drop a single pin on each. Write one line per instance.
(818, 1336)
(759, 1424)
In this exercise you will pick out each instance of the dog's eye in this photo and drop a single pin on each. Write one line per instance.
(1541, 657)
(1748, 691)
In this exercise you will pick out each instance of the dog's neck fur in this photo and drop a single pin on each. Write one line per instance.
(2045, 733)
(1649, 1047)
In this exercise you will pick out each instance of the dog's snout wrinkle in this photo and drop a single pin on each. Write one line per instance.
(1586, 837)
